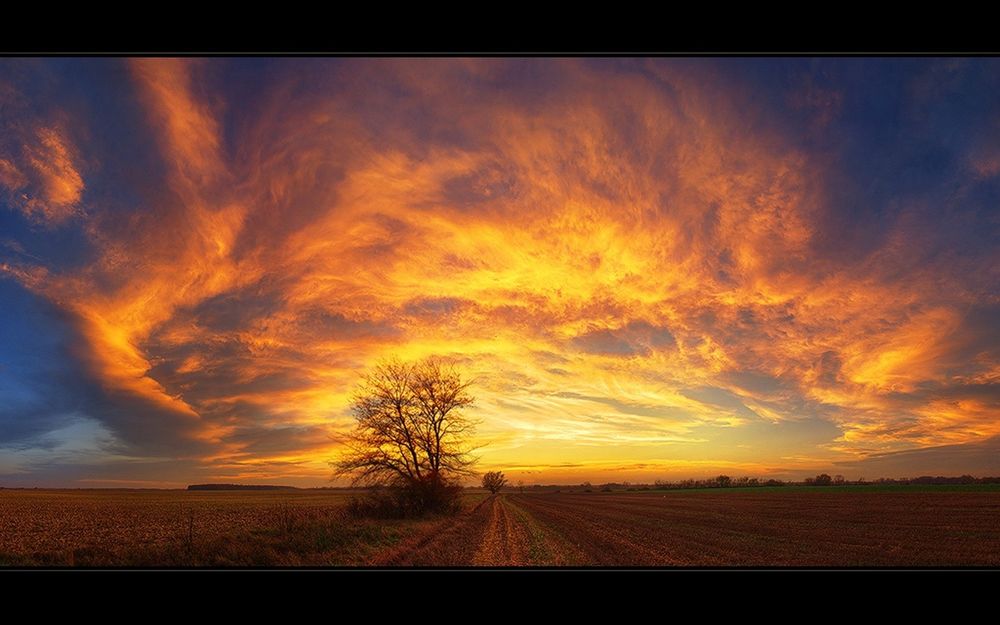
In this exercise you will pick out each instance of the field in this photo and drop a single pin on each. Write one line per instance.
(907, 526)
(182, 528)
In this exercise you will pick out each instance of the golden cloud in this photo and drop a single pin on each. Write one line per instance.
(626, 271)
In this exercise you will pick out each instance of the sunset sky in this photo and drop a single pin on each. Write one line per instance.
(652, 268)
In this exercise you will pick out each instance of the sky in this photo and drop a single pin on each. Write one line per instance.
(650, 268)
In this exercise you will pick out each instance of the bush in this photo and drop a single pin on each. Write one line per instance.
(493, 481)
(820, 480)
(400, 503)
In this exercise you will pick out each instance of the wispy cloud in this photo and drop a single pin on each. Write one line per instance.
(632, 258)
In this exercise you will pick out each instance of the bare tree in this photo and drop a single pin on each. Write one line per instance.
(411, 435)
(494, 481)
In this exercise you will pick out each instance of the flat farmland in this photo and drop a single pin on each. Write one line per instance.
(818, 527)
(189, 528)
(910, 526)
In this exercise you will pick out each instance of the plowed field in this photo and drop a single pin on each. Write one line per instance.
(747, 527)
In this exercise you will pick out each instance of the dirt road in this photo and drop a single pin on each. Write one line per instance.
(496, 533)
(511, 530)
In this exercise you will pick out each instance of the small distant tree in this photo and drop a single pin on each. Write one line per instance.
(822, 480)
(838, 480)
(724, 481)
(493, 481)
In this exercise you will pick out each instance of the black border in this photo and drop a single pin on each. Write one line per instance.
(508, 30)
(510, 37)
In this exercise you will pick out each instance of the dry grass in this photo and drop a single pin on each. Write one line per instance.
(182, 528)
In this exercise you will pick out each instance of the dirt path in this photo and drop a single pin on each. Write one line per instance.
(492, 534)
(505, 541)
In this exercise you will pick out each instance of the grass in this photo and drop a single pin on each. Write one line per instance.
(538, 550)
(180, 529)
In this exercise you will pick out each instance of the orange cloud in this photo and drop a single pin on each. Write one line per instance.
(48, 187)
(630, 275)
(11, 177)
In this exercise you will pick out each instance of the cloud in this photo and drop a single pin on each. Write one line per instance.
(41, 165)
(981, 458)
(636, 337)
(987, 166)
(629, 257)
(11, 177)
(47, 187)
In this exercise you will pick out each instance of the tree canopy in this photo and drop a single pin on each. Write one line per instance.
(411, 433)
(493, 481)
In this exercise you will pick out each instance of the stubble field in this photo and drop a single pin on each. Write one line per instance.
(719, 528)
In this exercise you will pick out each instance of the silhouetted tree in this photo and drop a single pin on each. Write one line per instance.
(822, 480)
(724, 481)
(411, 436)
(493, 481)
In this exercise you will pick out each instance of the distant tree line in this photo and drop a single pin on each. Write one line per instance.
(238, 487)
(726, 481)
(927, 479)
(823, 479)
(721, 481)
